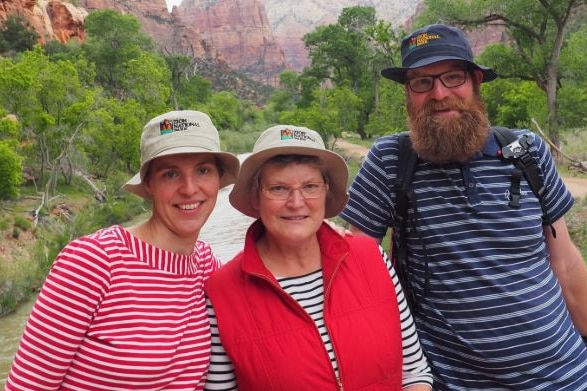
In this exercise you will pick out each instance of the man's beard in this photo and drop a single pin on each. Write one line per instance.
(448, 139)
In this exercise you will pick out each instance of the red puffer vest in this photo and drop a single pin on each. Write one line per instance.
(274, 344)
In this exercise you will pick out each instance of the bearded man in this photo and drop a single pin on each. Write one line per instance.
(501, 297)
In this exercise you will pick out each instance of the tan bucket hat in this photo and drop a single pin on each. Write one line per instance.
(291, 140)
(177, 132)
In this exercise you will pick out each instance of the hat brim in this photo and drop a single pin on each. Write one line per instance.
(241, 195)
(228, 162)
(398, 74)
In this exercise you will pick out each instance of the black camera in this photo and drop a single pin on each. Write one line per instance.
(517, 148)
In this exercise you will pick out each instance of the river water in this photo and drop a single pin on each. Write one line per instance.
(225, 231)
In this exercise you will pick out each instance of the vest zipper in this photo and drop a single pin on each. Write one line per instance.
(326, 294)
(326, 291)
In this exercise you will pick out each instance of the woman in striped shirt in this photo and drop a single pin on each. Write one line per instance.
(301, 307)
(123, 309)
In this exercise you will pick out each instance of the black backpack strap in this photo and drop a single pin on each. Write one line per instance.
(507, 140)
(406, 166)
(516, 150)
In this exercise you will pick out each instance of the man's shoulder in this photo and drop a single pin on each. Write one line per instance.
(386, 146)
(518, 132)
(393, 137)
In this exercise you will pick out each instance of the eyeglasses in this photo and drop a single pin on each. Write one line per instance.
(450, 79)
(283, 192)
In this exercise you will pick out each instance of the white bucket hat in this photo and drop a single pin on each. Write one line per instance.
(291, 140)
(178, 132)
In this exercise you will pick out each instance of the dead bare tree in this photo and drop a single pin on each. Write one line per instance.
(574, 164)
(183, 64)
(60, 163)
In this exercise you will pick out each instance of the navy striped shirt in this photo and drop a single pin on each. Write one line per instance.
(494, 317)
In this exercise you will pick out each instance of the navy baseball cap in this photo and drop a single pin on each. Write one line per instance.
(431, 44)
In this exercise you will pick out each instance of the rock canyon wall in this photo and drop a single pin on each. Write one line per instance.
(257, 38)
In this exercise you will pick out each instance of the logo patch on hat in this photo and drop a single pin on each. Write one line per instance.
(168, 126)
(422, 39)
(286, 134)
(289, 134)
(165, 127)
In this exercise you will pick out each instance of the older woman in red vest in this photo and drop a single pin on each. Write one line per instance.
(301, 307)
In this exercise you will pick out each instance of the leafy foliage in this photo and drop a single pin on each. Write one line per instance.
(112, 134)
(16, 36)
(352, 52)
(10, 172)
(391, 116)
(113, 40)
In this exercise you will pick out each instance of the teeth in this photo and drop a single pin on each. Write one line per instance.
(188, 207)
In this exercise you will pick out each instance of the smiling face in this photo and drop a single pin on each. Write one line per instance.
(295, 219)
(183, 190)
(447, 124)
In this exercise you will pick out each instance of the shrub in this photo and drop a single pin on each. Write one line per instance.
(22, 223)
(4, 224)
(16, 35)
(238, 142)
(10, 172)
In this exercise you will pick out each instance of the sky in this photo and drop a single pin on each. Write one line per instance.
(171, 3)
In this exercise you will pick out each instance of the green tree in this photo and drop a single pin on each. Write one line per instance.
(536, 32)
(226, 110)
(573, 97)
(17, 84)
(16, 35)
(353, 50)
(113, 134)
(284, 98)
(182, 68)
(113, 39)
(515, 103)
(10, 160)
(194, 92)
(146, 80)
(52, 104)
(384, 44)
(10, 171)
(331, 112)
(391, 116)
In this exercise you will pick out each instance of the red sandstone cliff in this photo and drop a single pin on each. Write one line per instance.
(236, 33)
(240, 32)
(51, 19)
(164, 28)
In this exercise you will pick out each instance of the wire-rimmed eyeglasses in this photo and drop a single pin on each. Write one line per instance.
(450, 79)
(283, 192)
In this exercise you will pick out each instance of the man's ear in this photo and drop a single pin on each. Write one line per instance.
(478, 76)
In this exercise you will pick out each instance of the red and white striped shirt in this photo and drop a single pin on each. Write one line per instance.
(117, 313)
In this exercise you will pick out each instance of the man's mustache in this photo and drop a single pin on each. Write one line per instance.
(446, 104)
